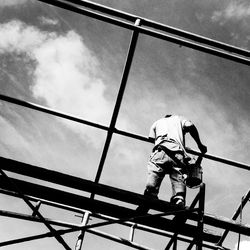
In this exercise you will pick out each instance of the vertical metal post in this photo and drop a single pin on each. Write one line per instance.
(132, 232)
(124, 78)
(200, 223)
(175, 244)
(79, 241)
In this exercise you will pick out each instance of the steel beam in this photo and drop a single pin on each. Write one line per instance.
(173, 39)
(221, 160)
(106, 208)
(110, 192)
(156, 25)
(123, 83)
(115, 130)
(50, 111)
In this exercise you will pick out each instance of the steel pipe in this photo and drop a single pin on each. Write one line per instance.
(71, 225)
(173, 39)
(115, 130)
(160, 26)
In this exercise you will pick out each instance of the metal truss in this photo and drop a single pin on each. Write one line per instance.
(177, 228)
(111, 213)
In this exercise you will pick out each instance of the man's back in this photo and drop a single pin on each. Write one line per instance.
(170, 129)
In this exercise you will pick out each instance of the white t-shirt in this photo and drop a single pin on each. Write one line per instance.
(170, 131)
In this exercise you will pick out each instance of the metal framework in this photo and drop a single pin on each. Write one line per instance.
(177, 228)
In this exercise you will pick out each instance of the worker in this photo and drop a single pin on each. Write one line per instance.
(169, 157)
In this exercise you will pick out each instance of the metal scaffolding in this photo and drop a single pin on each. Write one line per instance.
(179, 227)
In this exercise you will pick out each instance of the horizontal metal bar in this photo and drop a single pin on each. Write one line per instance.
(50, 111)
(95, 215)
(153, 33)
(27, 217)
(63, 224)
(107, 208)
(117, 131)
(80, 184)
(160, 26)
(95, 206)
(71, 225)
(118, 239)
(220, 159)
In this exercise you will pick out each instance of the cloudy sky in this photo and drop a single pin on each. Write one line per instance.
(74, 64)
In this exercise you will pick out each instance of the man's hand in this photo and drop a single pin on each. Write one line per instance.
(203, 148)
(194, 133)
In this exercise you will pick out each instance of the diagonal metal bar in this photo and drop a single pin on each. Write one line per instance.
(36, 212)
(124, 79)
(243, 202)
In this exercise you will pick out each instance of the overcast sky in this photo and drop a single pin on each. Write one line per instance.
(74, 64)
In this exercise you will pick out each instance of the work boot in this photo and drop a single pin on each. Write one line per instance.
(142, 210)
(178, 200)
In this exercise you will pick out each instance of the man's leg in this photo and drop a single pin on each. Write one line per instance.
(178, 186)
(154, 179)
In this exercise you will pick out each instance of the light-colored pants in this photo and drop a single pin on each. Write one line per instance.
(160, 164)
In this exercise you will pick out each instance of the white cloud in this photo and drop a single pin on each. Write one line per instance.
(48, 21)
(4, 3)
(235, 10)
(244, 245)
(12, 136)
(65, 77)
(66, 71)
(19, 38)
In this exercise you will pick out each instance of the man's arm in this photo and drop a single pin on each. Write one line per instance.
(195, 134)
(151, 135)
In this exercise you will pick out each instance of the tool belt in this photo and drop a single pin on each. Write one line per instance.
(183, 163)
